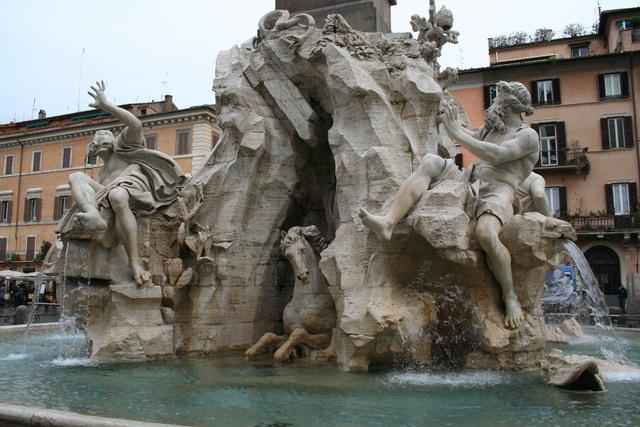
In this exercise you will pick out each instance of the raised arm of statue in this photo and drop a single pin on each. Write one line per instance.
(522, 144)
(133, 131)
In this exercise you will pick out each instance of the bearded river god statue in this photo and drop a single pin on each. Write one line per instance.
(507, 150)
(321, 126)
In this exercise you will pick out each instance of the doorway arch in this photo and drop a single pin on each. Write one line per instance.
(606, 266)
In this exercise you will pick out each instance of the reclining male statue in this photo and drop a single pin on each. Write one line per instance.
(132, 181)
(507, 150)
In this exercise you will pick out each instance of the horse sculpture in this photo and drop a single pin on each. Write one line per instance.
(310, 316)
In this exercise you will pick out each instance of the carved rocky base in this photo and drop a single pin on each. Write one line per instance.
(123, 322)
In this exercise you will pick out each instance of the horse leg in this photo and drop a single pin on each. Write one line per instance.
(299, 336)
(267, 340)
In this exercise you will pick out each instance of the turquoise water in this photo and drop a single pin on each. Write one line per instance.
(43, 370)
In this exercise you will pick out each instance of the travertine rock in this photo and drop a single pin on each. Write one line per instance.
(573, 372)
(563, 333)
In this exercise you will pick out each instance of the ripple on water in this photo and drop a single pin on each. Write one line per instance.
(74, 361)
(631, 375)
(14, 356)
(453, 379)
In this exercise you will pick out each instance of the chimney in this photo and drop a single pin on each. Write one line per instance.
(42, 114)
(167, 105)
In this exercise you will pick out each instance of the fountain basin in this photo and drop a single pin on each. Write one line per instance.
(228, 391)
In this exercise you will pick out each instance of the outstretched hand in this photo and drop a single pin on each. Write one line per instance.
(449, 117)
(98, 94)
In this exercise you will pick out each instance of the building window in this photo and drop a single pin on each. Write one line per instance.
(3, 248)
(490, 93)
(553, 143)
(32, 209)
(617, 132)
(183, 142)
(61, 205)
(553, 197)
(66, 157)
(92, 160)
(579, 51)
(151, 141)
(31, 248)
(8, 164)
(635, 34)
(545, 92)
(624, 24)
(622, 199)
(5, 211)
(613, 85)
(36, 161)
(548, 145)
(557, 198)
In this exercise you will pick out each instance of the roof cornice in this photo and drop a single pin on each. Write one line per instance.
(196, 114)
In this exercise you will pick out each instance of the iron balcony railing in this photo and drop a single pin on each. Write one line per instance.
(574, 159)
(604, 223)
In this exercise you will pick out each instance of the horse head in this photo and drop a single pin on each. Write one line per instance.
(294, 247)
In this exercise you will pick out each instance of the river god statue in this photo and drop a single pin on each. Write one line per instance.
(507, 150)
(132, 181)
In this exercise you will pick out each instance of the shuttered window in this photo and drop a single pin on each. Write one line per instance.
(545, 92)
(151, 141)
(31, 248)
(8, 164)
(5, 211)
(622, 199)
(553, 143)
(617, 132)
(61, 205)
(490, 93)
(557, 198)
(36, 161)
(3, 248)
(66, 158)
(32, 208)
(183, 142)
(613, 85)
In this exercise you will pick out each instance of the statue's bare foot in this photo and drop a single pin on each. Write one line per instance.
(140, 275)
(514, 316)
(282, 354)
(89, 221)
(378, 224)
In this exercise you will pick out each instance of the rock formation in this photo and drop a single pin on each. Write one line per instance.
(573, 372)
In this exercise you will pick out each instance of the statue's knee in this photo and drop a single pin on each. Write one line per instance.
(486, 237)
(431, 165)
(77, 177)
(119, 197)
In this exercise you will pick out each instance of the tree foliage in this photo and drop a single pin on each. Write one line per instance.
(574, 30)
(543, 35)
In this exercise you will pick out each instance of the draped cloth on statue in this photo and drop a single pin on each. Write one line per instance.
(151, 179)
(151, 172)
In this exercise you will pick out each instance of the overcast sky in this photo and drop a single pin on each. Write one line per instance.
(147, 48)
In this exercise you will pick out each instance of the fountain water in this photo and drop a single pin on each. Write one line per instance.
(593, 299)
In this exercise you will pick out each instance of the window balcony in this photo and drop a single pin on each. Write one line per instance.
(570, 160)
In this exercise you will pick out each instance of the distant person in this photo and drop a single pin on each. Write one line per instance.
(622, 298)
(3, 292)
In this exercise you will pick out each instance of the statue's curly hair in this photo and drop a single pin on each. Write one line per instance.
(518, 94)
